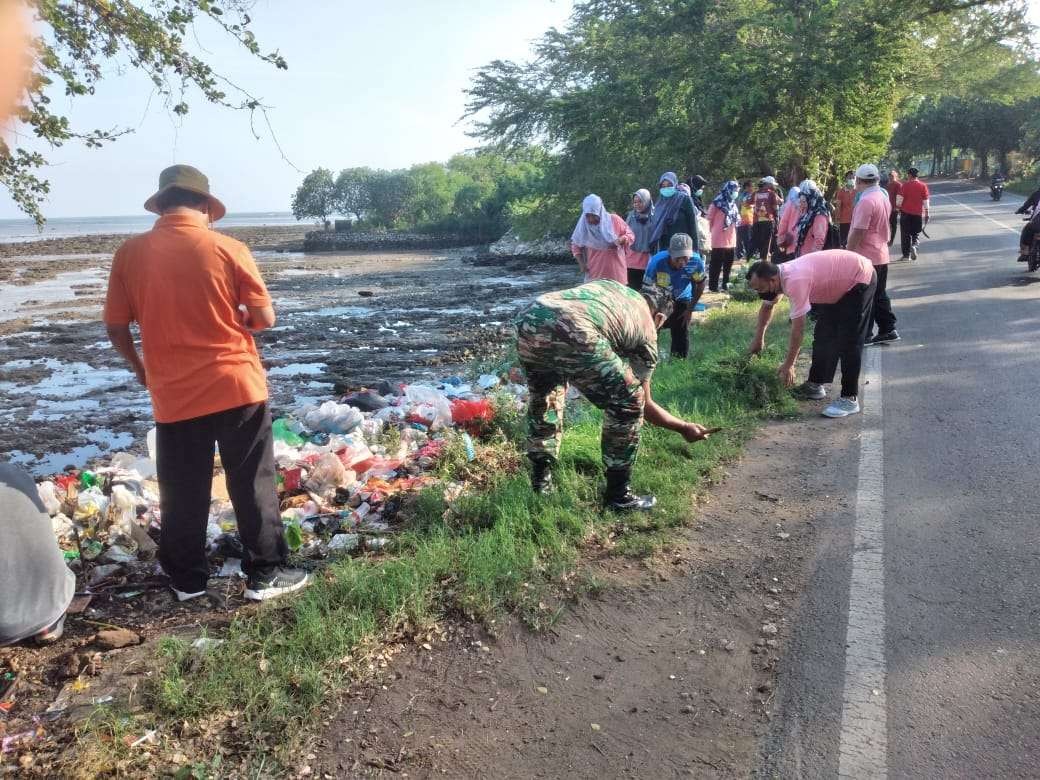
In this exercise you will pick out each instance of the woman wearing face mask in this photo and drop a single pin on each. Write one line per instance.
(814, 221)
(696, 186)
(640, 222)
(673, 213)
(723, 216)
(787, 230)
(844, 200)
(599, 242)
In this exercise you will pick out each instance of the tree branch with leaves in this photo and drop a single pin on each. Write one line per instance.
(81, 36)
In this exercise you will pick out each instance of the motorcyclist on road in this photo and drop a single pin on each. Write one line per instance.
(1029, 207)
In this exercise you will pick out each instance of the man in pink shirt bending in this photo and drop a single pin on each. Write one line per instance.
(869, 237)
(841, 285)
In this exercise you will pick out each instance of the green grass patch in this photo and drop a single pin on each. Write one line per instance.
(480, 554)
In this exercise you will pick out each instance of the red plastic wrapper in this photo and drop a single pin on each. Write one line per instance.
(292, 479)
(472, 415)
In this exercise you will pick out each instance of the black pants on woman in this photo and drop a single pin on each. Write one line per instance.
(720, 264)
(635, 278)
(185, 469)
(679, 327)
(761, 239)
(841, 330)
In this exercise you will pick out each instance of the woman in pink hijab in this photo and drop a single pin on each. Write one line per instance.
(599, 242)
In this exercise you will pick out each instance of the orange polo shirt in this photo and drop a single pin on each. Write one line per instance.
(183, 283)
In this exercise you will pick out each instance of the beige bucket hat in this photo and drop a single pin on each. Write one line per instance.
(185, 177)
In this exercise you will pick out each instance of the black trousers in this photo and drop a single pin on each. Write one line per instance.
(744, 242)
(679, 329)
(893, 221)
(761, 239)
(185, 469)
(841, 330)
(910, 226)
(843, 233)
(635, 278)
(721, 263)
(883, 316)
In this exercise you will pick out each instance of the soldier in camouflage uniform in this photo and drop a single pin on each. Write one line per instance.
(602, 338)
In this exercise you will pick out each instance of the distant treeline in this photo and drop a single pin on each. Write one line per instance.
(474, 194)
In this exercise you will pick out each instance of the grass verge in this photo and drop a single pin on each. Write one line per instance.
(502, 548)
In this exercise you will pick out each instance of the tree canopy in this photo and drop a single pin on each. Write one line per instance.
(470, 194)
(631, 89)
(81, 36)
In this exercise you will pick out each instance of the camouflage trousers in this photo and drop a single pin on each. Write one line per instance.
(554, 352)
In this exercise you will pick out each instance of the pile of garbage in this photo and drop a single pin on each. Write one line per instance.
(343, 469)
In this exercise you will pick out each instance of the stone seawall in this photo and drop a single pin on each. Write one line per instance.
(331, 241)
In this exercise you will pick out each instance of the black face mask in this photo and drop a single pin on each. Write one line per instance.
(767, 296)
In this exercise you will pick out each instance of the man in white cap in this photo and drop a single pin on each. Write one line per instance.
(197, 297)
(868, 236)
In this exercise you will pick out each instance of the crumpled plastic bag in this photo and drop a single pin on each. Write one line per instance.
(328, 474)
(332, 417)
(49, 496)
(429, 404)
(90, 503)
(122, 509)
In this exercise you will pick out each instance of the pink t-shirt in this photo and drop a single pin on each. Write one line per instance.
(822, 277)
(787, 231)
(871, 214)
(636, 260)
(722, 237)
(815, 237)
(608, 263)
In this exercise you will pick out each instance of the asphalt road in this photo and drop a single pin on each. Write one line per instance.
(955, 691)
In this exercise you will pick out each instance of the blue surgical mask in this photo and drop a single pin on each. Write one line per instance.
(667, 192)
(699, 192)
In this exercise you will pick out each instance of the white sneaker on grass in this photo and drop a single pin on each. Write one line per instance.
(843, 407)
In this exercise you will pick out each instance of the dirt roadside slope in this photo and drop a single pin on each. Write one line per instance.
(668, 671)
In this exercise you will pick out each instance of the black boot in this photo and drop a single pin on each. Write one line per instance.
(541, 476)
(619, 498)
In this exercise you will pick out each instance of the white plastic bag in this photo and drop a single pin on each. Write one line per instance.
(430, 404)
(122, 509)
(332, 417)
(49, 496)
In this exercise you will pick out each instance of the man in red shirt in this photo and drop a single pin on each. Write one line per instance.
(843, 201)
(197, 298)
(893, 187)
(914, 207)
(766, 204)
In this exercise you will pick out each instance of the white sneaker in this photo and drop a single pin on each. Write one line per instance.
(843, 407)
(913, 253)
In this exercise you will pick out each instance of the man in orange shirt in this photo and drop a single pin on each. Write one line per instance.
(197, 296)
(844, 201)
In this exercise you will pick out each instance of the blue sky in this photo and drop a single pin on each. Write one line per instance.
(368, 84)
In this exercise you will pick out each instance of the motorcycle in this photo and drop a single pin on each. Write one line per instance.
(996, 189)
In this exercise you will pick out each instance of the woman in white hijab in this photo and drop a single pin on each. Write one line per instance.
(599, 242)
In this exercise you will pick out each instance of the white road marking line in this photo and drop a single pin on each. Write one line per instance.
(977, 212)
(863, 747)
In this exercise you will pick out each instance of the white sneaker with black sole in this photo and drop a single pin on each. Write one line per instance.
(843, 407)
(276, 584)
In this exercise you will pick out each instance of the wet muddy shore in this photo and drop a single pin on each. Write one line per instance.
(345, 320)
